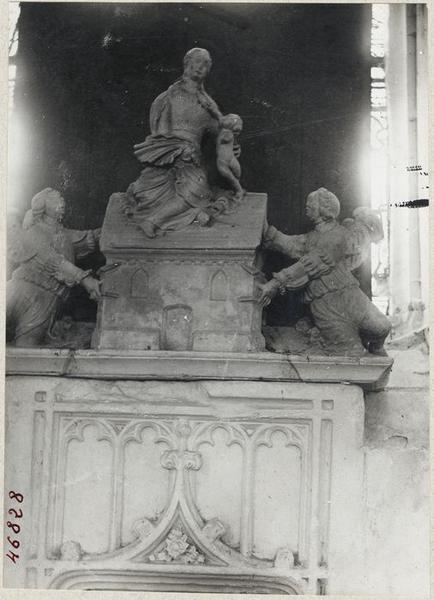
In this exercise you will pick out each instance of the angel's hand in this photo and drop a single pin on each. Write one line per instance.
(267, 292)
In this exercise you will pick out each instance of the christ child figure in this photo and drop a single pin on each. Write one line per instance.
(227, 151)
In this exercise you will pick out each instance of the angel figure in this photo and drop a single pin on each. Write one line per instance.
(45, 252)
(349, 323)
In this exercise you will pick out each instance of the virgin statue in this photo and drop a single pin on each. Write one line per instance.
(173, 190)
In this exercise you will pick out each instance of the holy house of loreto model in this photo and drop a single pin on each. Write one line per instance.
(177, 453)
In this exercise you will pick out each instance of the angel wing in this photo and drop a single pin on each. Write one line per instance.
(364, 229)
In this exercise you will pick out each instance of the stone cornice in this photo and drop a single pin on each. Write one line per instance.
(236, 232)
(369, 372)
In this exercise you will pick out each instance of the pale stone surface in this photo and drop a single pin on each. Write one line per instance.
(411, 367)
(377, 526)
(79, 441)
(397, 531)
(190, 290)
(398, 417)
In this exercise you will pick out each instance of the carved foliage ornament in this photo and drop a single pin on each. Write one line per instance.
(177, 548)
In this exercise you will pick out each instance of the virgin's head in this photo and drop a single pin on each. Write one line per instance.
(47, 203)
(197, 64)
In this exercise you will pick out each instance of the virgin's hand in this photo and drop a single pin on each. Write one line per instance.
(93, 287)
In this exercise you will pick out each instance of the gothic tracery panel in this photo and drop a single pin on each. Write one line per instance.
(87, 475)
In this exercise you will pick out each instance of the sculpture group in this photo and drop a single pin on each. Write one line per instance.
(173, 189)
(173, 192)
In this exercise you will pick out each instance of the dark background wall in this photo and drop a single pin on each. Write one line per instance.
(297, 74)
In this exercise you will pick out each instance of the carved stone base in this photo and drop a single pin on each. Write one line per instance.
(185, 486)
(187, 290)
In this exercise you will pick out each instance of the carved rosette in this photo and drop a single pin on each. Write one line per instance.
(177, 548)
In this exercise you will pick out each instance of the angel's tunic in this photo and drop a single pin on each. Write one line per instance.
(341, 311)
(173, 174)
(45, 254)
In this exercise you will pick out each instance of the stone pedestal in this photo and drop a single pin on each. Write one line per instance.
(194, 479)
(187, 290)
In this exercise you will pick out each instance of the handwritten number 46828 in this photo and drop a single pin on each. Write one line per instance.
(14, 526)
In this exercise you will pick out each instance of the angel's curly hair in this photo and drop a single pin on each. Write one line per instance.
(37, 207)
(328, 204)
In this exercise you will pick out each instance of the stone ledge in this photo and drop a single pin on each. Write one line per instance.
(369, 372)
(239, 231)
